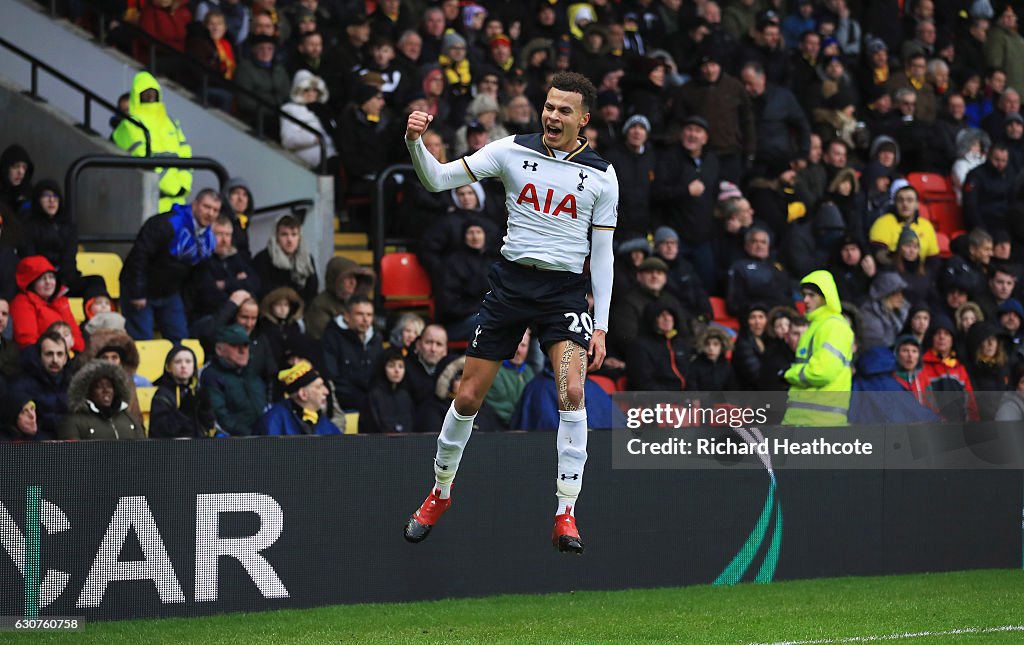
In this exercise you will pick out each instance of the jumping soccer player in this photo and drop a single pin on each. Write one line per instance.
(562, 201)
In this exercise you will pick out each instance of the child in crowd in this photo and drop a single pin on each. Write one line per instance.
(390, 408)
(710, 370)
(180, 409)
(280, 319)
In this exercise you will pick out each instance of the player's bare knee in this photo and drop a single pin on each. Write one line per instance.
(468, 401)
(573, 399)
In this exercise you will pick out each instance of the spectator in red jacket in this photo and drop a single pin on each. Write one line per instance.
(41, 301)
(943, 383)
(166, 20)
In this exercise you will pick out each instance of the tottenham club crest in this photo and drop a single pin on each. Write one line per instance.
(582, 177)
(476, 334)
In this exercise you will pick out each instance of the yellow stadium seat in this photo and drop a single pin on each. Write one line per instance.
(107, 265)
(145, 395)
(351, 423)
(77, 309)
(197, 348)
(151, 357)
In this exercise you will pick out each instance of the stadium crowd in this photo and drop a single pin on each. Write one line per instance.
(755, 142)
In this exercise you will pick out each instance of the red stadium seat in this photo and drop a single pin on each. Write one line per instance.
(607, 384)
(937, 200)
(943, 240)
(946, 216)
(721, 314)
(932, 187)
(404, 283)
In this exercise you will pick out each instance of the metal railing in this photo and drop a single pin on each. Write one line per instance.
(297, 207)
(207, 79)
(380, 215)
(135, 163)
(88, 96)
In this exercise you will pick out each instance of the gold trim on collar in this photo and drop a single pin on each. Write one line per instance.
(551, 153)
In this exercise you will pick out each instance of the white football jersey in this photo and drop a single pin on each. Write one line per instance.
(552, 202)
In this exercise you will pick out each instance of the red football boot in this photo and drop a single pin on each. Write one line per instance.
(418, 527)
(565, 537)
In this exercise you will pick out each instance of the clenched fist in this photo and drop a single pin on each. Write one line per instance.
(418, 124)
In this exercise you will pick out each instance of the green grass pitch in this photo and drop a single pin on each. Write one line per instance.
(830, 610)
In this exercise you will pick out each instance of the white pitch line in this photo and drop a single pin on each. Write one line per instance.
(897, 637)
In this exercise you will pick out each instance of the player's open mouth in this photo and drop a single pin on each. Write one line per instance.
(552, 132)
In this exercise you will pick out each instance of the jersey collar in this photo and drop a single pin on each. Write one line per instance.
(583, 145)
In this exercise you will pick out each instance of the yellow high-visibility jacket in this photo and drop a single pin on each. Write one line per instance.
(820, 378)
(166, 140)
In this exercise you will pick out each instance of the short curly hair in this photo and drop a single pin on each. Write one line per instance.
(578, 83)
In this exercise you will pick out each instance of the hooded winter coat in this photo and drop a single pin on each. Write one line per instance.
(166, 139)
(55, 238)
(31, 314)
(15, 196)
(275, 331)
(878, 397)
(180, 411)
(987, 376)
(300, 141)
(706, 375)
(129, 360)
(390, 407)
(658, 361)
(11, 408)
(880, 324)
(87, 420)
(820, 378)
(330, 303)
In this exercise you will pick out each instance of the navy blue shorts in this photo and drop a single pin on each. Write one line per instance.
(552, 303)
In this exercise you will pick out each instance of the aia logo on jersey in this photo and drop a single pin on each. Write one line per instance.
(567, 205)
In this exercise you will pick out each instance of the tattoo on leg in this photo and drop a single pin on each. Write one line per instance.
(570, 350)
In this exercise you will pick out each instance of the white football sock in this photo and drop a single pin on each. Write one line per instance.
(451, 443)
(572, 456)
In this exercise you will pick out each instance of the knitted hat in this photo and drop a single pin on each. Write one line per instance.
(363, 93)
(608, 97)
(636, 119)
(898, 185)
(907, 339)
(297, 376)
(664, 234)
(728, 190)
(500, 39)
(451, 39)
(1012, 306)
(635, 244)
(907, 236)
